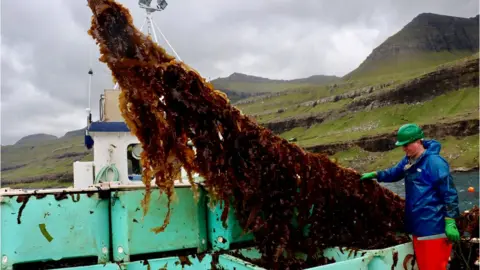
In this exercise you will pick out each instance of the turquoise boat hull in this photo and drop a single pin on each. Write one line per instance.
(104, 228)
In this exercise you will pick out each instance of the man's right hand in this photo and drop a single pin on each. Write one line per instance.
(368, 176)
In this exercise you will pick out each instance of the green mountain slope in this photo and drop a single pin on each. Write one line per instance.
(238, 82)
(43, 163)
(35, 138)
(429, 39)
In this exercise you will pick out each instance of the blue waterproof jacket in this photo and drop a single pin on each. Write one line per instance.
(430, 194)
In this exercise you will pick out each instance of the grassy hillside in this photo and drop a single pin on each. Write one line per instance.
(414, 63)
(242, 83)
(461, 104)
(35, 138)
(41, 164)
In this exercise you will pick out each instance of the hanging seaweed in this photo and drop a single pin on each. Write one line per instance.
(291, 200)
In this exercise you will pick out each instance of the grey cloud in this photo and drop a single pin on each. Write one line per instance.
(45, 47)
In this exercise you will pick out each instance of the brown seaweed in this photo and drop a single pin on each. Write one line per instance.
(291, 200)
(468, 223)
(466, 252)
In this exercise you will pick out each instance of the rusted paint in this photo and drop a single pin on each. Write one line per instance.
(247, 261)
(408, 258)
(22, 199)
(40, 196)
(102, 194)
(332, 260)
(184, 261)
(75, 199)
(201, 256)
(61, 196)
(214, 262)
(395, 259)
(350, 253)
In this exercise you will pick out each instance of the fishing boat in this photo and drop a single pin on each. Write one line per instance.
(99, 224)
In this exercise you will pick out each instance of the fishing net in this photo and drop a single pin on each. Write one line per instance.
(291, 200)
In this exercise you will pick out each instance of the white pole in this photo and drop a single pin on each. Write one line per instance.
(90, 90)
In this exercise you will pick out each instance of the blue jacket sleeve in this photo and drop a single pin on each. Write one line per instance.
(393, 174)
(443, 181)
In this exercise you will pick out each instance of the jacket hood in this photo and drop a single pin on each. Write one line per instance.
(432, 147)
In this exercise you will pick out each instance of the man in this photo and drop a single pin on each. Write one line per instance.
(431, 199)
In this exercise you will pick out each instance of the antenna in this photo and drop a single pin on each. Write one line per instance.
(90, 75)
(89, 109)
(151, 25)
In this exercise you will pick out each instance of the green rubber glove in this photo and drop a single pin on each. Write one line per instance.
(451, 230)
(367, 176)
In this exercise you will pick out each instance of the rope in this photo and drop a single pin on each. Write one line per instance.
(102, 174)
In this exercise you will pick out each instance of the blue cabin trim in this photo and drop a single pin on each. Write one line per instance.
(108, 127)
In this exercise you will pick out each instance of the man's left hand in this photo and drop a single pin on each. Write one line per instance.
(451, 230)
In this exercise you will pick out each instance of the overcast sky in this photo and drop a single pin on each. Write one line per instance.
(45, 47)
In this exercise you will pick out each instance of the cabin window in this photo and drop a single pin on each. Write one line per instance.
(134, 151)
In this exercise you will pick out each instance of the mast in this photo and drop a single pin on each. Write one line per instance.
(88, 141)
